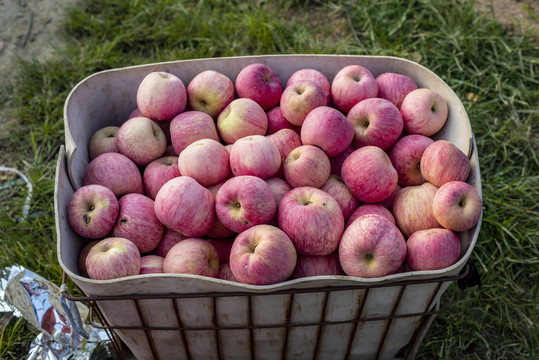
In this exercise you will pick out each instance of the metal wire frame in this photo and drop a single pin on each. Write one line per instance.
(430, 311)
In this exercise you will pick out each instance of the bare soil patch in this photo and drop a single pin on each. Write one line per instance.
(29, 30)
(519, 14)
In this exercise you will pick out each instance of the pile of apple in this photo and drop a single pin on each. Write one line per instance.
(253, 182)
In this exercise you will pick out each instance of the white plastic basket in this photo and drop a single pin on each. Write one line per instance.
(185, 316)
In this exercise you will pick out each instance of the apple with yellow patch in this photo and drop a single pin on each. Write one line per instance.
(307, 165)
(210, 92)
(242, 117)
(412, 208)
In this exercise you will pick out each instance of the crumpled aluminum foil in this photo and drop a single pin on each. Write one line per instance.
(62, 325)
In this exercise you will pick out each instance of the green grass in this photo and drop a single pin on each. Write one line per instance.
(495, 72)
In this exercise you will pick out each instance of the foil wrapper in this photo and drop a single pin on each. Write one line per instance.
(62, 325)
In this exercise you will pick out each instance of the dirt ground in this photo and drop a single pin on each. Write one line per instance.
(522, 14)
(28, 30)
(29, 27)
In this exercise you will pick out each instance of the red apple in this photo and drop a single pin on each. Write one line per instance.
(92, 211)
(412, 208)
(138, 223)
(206, 161)
(442, 161)
(170, 151)
(424, 111)
(210, 92)
(277, 121)
(185, 206)
(299, 99)
(193, 256)
(394, 87)
(103, 141)
(457, 206)
(158, 172)
(406, 155)
(191, 126)
(367, 209)
(82, 257)
(307, 165)
(279, 188)
(135, 113)
(352, 84)
(218, 230)
(369, 174)
(328, 129)
(242, 117)
(165, 126)
(262, 255)
(432, 249)
(260, 83)
(312, 75)
(310, 265)
(168, 240)
(151, 264)
(243, 202)
(161, 96)
(312, 219)
(113, 258)
(222, 246)
(388, 202)
(338, 190)
(286, 140)
(375, 122)
(115, 171)
(337, 161)
(255, 155)
(141, 140)
(225, 273)
(371, 247)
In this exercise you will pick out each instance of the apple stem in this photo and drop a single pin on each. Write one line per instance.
(369, 257)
